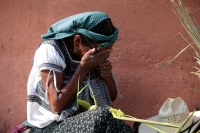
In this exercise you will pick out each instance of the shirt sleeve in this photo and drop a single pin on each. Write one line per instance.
(47, 57)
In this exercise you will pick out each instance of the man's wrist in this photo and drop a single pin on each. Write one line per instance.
(107, 78)
(82, 70)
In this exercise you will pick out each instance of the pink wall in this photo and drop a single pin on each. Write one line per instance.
(148, 37)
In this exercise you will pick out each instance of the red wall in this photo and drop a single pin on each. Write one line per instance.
(148, 38)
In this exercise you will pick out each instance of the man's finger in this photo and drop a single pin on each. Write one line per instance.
(103, 53)
(91, 51)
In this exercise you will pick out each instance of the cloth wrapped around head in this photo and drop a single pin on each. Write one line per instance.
(81, 24)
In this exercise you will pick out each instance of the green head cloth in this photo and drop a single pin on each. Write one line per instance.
(81, 23)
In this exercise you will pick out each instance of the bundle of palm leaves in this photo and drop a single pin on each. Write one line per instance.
(187, 19)
(118, 114)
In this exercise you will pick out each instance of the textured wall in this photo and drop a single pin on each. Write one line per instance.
(148, 38)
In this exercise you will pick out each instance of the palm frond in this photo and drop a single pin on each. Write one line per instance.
(187, 19)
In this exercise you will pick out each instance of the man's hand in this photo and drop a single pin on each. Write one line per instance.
(91, 59)
(105, 69)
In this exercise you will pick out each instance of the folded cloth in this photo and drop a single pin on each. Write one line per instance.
(19, 129)
(81, 24)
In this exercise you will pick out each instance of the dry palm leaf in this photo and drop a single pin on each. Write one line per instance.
(188, 21)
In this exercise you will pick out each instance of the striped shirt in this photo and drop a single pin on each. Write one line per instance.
(53, 55)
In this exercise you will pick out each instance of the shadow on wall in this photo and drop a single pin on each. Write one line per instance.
(4, 126)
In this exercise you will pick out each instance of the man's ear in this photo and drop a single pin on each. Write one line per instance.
(77, 40)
